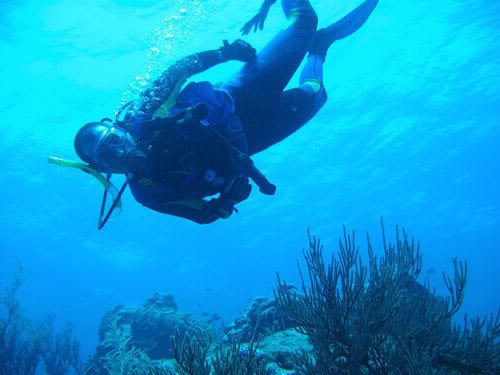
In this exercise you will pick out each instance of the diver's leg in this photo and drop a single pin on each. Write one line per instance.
(296, 107)
(341, 29)
(277, 62)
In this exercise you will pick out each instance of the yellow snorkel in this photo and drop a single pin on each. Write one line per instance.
(104, 181)
(87, 169)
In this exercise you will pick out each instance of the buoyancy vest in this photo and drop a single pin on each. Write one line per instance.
(205, 176)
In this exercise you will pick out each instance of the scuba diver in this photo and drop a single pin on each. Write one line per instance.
(179, 146)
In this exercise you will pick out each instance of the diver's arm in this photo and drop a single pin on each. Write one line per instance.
(200, 211)
(168, 85)
(199, 62)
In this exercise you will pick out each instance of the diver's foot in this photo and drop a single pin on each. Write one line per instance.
(320, 43)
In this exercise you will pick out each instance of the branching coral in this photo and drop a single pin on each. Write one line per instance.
(62, 352)
(379, 319)
(234, 360)
(122, 357)
(192, 355)
(473, 347)
(23, 342)
(191, 352)
(119, 356)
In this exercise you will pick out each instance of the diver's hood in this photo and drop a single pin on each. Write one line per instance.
(105, 146)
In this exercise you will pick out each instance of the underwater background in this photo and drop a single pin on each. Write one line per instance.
(411, 132)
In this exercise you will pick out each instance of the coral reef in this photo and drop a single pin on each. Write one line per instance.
(348, 317)
(378, 319)
(156, 321)
(25, 344)
(262, 317)
(279, 350)
(196, 354)
(138, 341)
(122, 357)
(158, 339)
(62, 351)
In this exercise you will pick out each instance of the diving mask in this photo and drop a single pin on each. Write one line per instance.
(104, 146)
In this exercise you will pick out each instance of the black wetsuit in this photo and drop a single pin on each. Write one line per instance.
(252, 110)
(270, 113)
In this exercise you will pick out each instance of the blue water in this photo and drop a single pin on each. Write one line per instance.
(411, 132)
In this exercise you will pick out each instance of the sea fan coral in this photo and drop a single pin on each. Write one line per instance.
(379, 319)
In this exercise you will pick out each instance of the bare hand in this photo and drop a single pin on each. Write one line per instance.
(258, 20)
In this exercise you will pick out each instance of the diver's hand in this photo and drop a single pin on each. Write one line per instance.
(238, 191)
(258, 20)
(245, 164)
(238, 50)
(219, 208)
